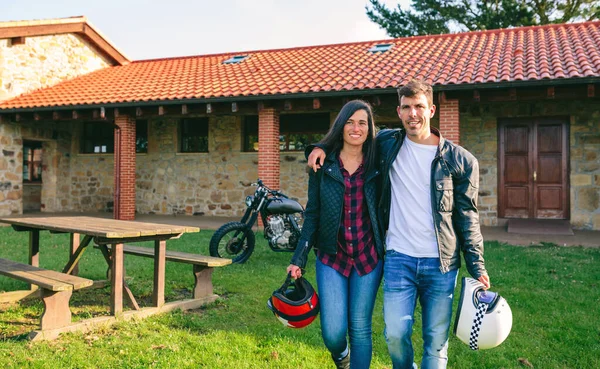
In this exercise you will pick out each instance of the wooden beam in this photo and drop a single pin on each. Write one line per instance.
(591, 91)
(17, 117)
(184, 109)
(260, 106)
(234, 107)
(512, 94)
(209, 108)
(104, 46)
(138, 112)
(36, 116)
(161, 110)
(17, 41)
(476, 96)
(116, 112)
(41, 30)
(102, 113)
(287, 105)
(442, 97)
(550, 92)
(55, 115)
(75, 115)
(316, 103)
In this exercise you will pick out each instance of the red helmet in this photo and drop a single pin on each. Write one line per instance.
(295, 305)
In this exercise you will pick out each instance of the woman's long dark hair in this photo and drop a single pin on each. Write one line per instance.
(334, 139)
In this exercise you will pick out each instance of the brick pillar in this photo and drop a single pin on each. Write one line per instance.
(124, 168)
(268, 147)
(450, 120)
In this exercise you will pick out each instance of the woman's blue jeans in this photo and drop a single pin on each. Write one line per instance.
(405, 279)
(347, 308)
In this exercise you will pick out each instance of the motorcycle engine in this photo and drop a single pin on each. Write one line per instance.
(278, 233)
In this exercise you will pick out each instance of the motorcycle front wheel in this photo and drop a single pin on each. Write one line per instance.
(233, 240)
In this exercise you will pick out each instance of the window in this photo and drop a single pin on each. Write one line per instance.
(32, 162)
(98, 138)
(236, 59)
(380, 48)
(193, 135)
(141, 136)
(296, 131)
(251, 133)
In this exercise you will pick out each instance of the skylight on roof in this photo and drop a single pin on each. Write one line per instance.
(236, 59)
(380, 48)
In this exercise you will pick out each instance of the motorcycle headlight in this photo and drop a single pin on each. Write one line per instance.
(248, 201)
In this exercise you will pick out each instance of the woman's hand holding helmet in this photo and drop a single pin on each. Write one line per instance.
(295, 271)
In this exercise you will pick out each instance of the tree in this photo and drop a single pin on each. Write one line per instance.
(445, 16)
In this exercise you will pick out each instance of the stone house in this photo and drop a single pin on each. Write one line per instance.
(34, 55)
(188, 135)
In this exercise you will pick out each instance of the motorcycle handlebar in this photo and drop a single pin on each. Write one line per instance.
(260, 183)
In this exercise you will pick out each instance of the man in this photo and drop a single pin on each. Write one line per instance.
(428, 213)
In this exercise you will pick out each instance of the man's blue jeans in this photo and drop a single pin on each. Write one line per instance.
(405, 279)
(347, 307)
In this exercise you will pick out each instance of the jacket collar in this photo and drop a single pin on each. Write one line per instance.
(433, 130)
(331, 162)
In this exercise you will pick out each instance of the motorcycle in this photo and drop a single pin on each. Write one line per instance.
(280, 216)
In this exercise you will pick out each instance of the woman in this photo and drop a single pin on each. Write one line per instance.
(340, 223)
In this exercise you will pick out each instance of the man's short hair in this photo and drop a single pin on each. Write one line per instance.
(416, 87)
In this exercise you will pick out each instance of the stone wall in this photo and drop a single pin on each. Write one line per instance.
(213, 183)
(11, 169)
(585, 166)
(11, 163)
(43, 61)
(479, 135)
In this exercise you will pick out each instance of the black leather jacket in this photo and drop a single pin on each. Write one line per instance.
(454, 191)
(324, 208)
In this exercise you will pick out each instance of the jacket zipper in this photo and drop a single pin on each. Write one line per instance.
(432, 188)
(387, 184)
(343, 185)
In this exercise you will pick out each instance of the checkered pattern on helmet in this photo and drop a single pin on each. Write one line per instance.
(476, 327)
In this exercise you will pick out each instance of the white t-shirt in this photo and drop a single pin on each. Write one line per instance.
(411, 229)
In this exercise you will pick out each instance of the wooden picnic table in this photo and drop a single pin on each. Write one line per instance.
(104, 232)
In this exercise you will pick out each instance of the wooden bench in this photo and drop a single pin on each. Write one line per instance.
(202, 265)
(56, 289)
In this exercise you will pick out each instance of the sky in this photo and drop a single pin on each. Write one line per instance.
(148, 29)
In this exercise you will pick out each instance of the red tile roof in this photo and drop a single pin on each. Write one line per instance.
(529, 54)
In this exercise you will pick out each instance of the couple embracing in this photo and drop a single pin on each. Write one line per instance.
(400, 205)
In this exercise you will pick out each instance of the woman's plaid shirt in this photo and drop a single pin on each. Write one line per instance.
(356, 245)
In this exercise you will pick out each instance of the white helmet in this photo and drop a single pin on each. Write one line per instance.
(484, 319)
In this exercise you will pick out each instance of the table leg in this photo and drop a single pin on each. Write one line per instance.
(116, 269)
(160, 249)
(74, 246)
(34, 247)
(74, 259)
(34, 251)
(126, 290)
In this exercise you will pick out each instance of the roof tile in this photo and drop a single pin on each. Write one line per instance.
(519, 54)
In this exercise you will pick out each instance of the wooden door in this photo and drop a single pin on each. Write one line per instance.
(533, 168)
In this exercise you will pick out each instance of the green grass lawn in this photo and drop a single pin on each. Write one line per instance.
(552, 291)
